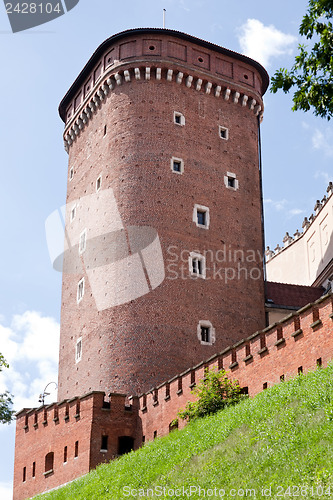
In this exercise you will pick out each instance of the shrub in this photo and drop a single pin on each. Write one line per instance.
(214, 392)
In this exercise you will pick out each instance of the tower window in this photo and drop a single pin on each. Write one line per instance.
(98, 183)
(197, 265)
(78, 351)
(71, 173)
(80, 290)
(76, 449)
(73, 213)
(105, 129)
(33, 469)
(223, 133)
(104, 444)
(230, 181)
(201, 216)
(24, 478)
(206, 332)
(65, 455)
(82, 241)
(177, 165)
(178, 118)
(49, 460)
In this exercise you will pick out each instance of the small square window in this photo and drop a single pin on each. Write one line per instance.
(80, 290)
(73, 213)
(197, 265)
(177, 165)
(230, 181)
(223, 133)
(206, 333)
(71, 173)
(82, 241)
(98, 183)
(178, 118)
(201, 216)
(78, 351)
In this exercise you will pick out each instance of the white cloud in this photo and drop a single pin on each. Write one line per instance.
(6, 491)
(283, 206)
(277, 204)
(31, 346)
(323, 141)
(264, 42)
(295, 211)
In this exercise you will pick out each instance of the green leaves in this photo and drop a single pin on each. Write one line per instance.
(214, 392)
(312, 72)
(6, 413)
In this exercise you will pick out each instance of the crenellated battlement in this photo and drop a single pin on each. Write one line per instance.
(306, 225)
(298, 343)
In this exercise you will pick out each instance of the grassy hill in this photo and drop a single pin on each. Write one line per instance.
(276, 445)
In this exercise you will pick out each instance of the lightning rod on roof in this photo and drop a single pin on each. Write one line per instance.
(164, 11)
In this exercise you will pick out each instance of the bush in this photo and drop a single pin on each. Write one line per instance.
(214, 392)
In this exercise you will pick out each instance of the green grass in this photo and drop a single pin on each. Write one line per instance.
(282, 438)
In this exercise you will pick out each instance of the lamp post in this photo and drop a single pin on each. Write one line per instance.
(44, 393)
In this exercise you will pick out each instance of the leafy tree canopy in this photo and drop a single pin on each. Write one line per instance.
(312, 72)
(214, 392)
(6, 413)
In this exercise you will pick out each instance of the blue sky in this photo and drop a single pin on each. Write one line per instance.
(38, 66)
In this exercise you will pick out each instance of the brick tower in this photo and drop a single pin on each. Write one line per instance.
(162, 264)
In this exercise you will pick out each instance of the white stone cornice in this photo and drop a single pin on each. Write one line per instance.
(81, 118)
(253, 102)
(227, 94)
(245, 98)
(236, 96)
(179, 78)
(208, 87)
(110, 83)
(189, 81)
(118, 79)
(198, 85)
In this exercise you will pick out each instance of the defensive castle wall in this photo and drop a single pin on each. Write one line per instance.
(298, 343)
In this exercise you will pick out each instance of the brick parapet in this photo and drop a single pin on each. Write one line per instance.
(77, 424)
(280, 351)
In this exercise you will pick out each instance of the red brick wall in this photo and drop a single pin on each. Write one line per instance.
(34, 442)
(131, 347)
(281, 349)
(285, 353)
